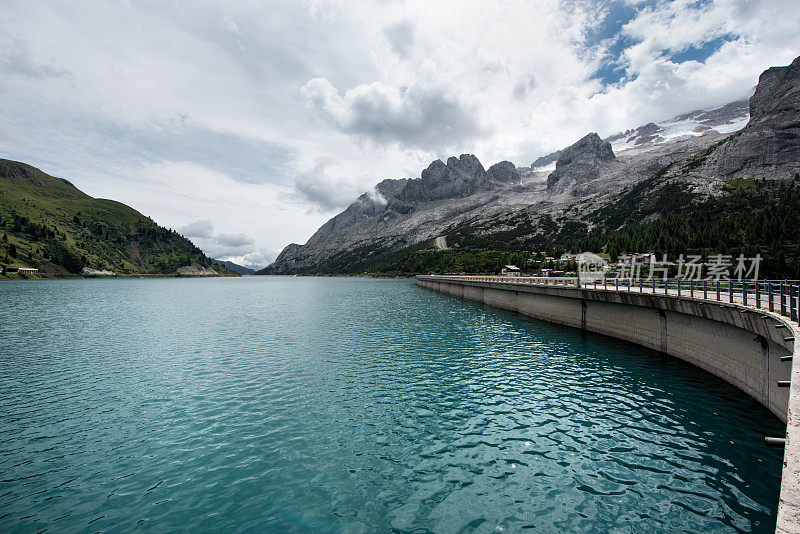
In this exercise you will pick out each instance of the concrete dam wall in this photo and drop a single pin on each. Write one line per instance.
(742, 345)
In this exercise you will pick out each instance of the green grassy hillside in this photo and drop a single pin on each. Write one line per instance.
(47, 223)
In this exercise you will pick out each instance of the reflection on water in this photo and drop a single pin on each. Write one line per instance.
(353, 405)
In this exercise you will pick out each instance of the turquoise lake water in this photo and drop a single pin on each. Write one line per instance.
(354, 405)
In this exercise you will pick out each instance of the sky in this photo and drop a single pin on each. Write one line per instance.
(246, 125)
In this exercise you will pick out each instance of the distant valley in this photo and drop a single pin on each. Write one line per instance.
(235, 267)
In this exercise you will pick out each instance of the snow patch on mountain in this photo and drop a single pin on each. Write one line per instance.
(720, 120)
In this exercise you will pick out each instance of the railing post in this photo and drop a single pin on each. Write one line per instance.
(654, 286)
(792, 303)
(783, 298)
(718, 295)
(691, 288)
(616, 284)
(705, 290)
(797, 303)
(640, 285)
(769, 296)
(605, 283)
(730, 289)
(679, 286)
(744, 292)
(758, 294)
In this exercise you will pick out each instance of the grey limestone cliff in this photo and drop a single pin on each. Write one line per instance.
(580, 163)
(769, 146)
(460, 177)
(504, 172)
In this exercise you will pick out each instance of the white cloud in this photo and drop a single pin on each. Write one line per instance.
(425, 119)
(222, 216)
(266, 117)
(201, 229)
(234, 240)
(257, 259)
(317, 187)
(401, 37)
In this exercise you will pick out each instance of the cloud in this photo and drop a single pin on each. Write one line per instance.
(230, 24)
(19, 63)
(257, 259)
(400, 37)
(217, 245)
(265, 117)
(383, 113)
(327, 193)
(233, 240)
(524, 87)
(197, 229)
(174, 193)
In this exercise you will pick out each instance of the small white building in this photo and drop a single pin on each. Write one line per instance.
(28, 270)
(510, 270)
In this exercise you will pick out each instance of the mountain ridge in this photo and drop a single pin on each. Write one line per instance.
(588, 176)
(49, 224)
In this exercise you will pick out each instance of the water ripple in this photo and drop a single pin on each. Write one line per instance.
(349, 405)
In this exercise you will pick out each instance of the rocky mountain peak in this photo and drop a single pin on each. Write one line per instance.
(769, 146)
(778, 91)
(459, 189)
(466, 165)
(460, 177)
(550, 158)
(648, 129)
(580, 163)
(504, 172)
(390, 188)
(435, 169)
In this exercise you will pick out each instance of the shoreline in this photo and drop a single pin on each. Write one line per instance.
(15, 277)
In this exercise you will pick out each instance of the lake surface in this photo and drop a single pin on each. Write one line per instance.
(355, 405)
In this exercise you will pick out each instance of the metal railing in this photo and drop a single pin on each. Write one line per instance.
(527, 280)
(778, 296)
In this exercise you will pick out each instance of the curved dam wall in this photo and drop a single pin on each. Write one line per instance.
(734, 343)
(741, 345)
